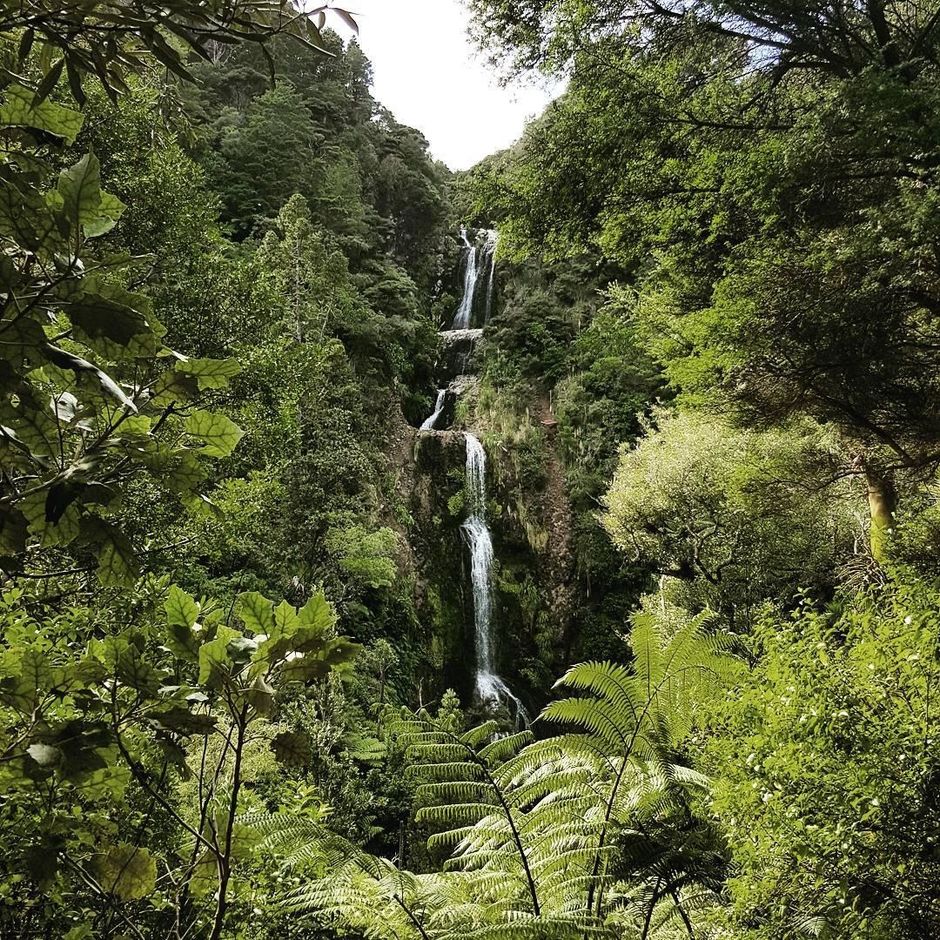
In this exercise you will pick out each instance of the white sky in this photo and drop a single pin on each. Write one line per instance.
(430, 76)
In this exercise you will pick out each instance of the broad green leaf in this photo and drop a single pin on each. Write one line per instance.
(240, 649)
(26, 677)
(61, 532)
(117, 563)
(112, 320)
(219, 433)
(182, 721)
(210, 373)
(181, 609)
(25, 216)
(205, 877)
(173, 387)
(81, 932)
(138, 426)
(110, 209)
(83, 202)
(319, 664)
(187, 474)
(127, 871)
(20, 108)
(292, 748)
(179, 469)
(214, 660)
(286, 620)
(245, 839)
(42, 859)
(261, 697)
(80, 188)
(35, 428)
(84, 368)
(256, 612)
(317, 613)
(87, 749)
(133, 670)
(13, 530)
(23, 339)
(182, 642)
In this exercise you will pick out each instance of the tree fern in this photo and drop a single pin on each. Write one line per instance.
(583, 834)
(636, 717)
(462, 785)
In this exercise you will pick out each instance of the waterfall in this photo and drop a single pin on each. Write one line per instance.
(431, 420)
(465, 310)
(490, 687)
(456, 349)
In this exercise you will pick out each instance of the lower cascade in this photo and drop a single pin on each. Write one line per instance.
(490, 688)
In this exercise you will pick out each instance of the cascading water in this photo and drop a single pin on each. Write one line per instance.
(490, 687)
(480, 262)
(431, 419)
(457, 348)
(465, 310)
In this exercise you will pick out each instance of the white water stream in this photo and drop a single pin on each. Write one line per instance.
(490, 686)
(480, 262)
(465, 309)
(431, 419)
(491, 689)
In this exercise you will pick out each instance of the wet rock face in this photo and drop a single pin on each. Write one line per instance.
(445, 606)
(459, 354)
(439, 452)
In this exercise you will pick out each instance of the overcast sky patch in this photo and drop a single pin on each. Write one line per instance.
(429, 74)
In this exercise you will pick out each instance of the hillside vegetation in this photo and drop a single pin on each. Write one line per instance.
(546, 551)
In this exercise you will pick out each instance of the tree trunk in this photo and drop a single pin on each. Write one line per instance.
(882, 502)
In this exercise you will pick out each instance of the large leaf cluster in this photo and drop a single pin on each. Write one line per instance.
(91, 396)
(89, 731)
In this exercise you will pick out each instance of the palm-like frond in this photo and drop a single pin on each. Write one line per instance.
(583, 834)
(649, 706)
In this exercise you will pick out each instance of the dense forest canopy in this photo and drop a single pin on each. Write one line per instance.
(320, 463)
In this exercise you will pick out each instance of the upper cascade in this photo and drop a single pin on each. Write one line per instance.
(480, 261)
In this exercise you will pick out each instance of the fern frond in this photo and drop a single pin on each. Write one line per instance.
(451, 770)
(502, 748)
(453, 815)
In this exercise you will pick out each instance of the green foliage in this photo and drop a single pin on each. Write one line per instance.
(537, 832)
(277, 119)
(367, 558)
(825, 786)
(764, 176)
(773, 277)
(92, 396)
(223, 295)
(88, 726)
(729, 515)
(119, 40)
